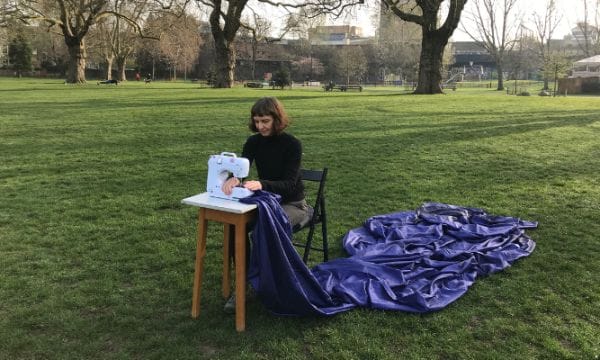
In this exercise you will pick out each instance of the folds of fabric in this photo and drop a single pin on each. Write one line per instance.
(416, 261)
(276, 272)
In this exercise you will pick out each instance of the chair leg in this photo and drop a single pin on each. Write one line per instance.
(325, 244)
(324, 230)
(311, 233)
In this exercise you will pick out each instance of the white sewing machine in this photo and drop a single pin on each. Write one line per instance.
(219, 168)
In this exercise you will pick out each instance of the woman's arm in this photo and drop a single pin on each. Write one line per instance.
(229, 184)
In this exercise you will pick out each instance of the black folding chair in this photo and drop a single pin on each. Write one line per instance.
(318, 216)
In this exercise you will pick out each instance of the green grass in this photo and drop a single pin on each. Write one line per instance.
(96, 251)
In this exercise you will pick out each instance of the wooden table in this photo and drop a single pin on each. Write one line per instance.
(234, 216)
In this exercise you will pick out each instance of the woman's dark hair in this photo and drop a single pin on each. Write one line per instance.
(269, 106)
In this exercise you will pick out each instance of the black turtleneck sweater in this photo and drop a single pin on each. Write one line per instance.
(278, 159)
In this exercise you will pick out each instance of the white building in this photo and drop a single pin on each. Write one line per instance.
(589, 67)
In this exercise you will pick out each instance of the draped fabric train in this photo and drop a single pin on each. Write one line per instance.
(415, 261)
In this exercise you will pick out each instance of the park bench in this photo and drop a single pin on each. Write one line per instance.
(449, 85)
(331, 87)
(254, 84)
(350, 87)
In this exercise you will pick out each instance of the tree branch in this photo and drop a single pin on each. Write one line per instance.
(131, 22)
(406, 16)
(331, 7)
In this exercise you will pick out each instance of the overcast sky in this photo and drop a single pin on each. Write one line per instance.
(571, 10)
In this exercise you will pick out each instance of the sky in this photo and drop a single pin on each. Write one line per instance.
(571, 10)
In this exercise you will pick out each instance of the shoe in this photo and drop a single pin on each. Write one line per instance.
(251, 293)
(229, 307)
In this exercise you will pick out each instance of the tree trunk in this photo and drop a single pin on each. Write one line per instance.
(253, 65)
(109, 63)
(500, 76)
(224, 39)
(121, 62)
(76, 65)
(430, 63)
(153, 67)
(434, 38)
(225, 62)
(555, 80)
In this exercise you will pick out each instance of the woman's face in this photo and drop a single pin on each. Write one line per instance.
(264, 124)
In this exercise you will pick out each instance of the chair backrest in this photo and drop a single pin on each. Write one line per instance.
(318, 176)
(314, 175)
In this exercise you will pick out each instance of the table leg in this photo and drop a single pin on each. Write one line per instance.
(228, 230)
(240, 274)
(200, 253)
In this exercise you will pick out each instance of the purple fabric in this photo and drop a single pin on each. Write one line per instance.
(416, 261)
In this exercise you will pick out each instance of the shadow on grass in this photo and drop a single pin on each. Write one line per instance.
(476, 129)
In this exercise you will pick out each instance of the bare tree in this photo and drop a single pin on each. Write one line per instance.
(544, 26)
(300, 23)
(225, 21)
(224, 26)
(523, 60)
(301, 26)
(589, 41)
(559, 66)
(100, 44)
(257, 31)
(51, 49)
(427, 14)
(495, 29)
(180, 44)
(350, 63)
(398, 46)
(124, 33)
(74, 19)
(148, 54)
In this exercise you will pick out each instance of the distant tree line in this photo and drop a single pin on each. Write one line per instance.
(235, 39)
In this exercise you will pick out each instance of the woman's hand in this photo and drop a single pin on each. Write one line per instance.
(253, 185)
(229, 184)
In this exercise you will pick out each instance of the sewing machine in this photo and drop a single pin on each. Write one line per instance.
(219, 168)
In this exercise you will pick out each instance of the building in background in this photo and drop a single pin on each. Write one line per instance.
(588, 67)
(337, 35)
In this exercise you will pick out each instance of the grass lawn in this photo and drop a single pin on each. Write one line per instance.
(96, 251)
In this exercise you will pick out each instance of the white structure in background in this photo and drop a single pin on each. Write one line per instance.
(589, 67)
(337, 35)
